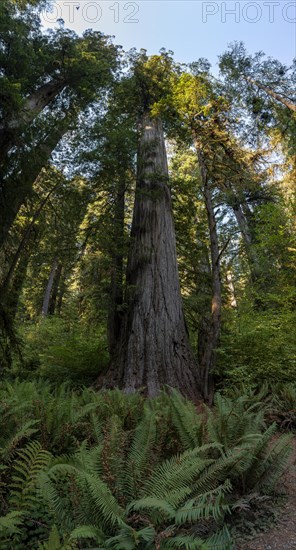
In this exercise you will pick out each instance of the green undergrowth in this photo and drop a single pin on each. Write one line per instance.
(57, 350)
(106, 470)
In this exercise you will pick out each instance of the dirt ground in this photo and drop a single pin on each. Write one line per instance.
(282, 536)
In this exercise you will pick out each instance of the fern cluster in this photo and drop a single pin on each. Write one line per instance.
(110, 471)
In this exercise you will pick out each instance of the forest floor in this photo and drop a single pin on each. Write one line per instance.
(282, 534)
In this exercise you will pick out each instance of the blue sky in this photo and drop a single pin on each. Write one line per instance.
(192, 29)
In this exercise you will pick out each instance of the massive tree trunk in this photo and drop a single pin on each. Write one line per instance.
(117, 257)
(153, 348)
(209, 333)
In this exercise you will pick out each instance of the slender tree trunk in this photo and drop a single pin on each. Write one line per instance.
(17, 286)
(6, 281)
(55, 290)
(210, 327)
(15, 189)
(49, 287)
(271, 93)
(246, 232)
(229, 279)
(61, 292)
(153, 348)
(34, 104)
(8, 310)
(116, 294)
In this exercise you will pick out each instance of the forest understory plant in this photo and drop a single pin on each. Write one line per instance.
(120, 471)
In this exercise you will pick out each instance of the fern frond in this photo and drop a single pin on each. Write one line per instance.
(141, 453)
(184, 542)
(174, 474)
(129, 539)
(272, 467)
(9, 524)
(27, 468)
(100, 498)
(11, 443)
(251, 467)
(208, 505)
(220, 540)
(88, 532)
(153, 504)
(216, 472)
(186, 421)
(231, 420)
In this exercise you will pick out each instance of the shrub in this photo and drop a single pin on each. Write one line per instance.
(59, 351)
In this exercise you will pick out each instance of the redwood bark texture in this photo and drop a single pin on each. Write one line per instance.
(153, 348)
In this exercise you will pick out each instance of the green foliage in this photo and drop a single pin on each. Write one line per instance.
(62, 351)
(258, 346)
(283, 406)
(233, 420)
(119, 482)
(84, 468)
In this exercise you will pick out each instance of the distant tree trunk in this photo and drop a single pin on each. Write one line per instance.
(17, 286)
(61, 292)
(116, 294)
(209, 334)
(22, 244)
(48, 290)
(9, 301)
(153, 348)
(243, 224)
(289, 104)
(15, 189)
(34, 104)
(229, 279)
(55, 289)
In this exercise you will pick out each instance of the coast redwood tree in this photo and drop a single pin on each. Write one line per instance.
(153, 349)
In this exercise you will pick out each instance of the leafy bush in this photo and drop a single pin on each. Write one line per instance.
(283, 409)
(59, 351)
(258, 347)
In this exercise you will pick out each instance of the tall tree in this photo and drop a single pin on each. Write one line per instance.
(153, 348)
(61, 73)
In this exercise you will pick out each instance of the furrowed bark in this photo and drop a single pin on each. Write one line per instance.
(153, 349)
